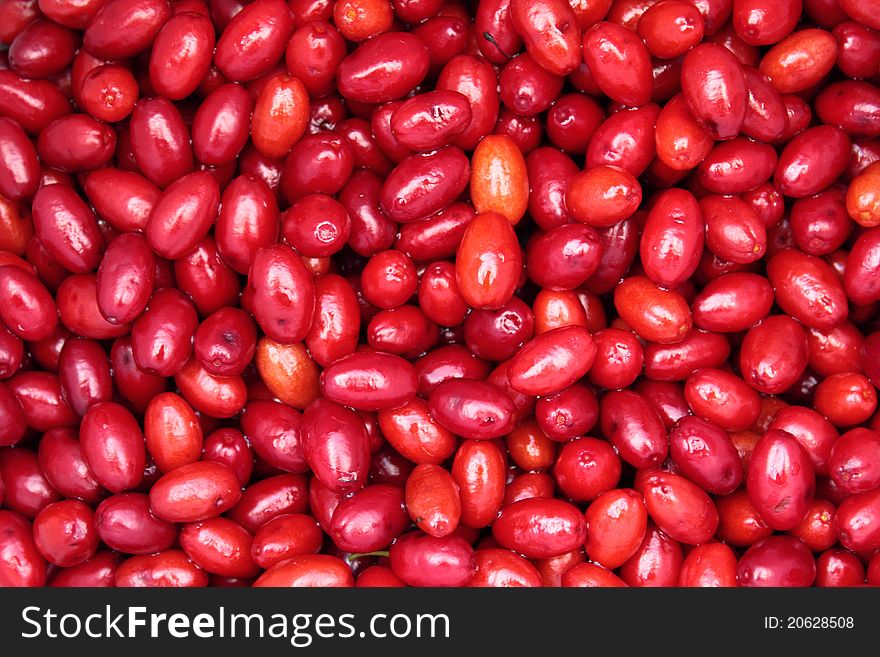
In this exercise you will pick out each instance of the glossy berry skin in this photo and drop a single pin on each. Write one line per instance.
(800, 60)
(336, 446)
(171, 568)
(814, 432)
(590, 575)
(183, 214)
(619, 62)
(432, 500)
(669, 31)
(709, 565)
(162, 336)
(733, 302)
(715, 90)
(369, 519)
(564, 257)
(64, 533)
(422, 560)
(369, 381)
(284, 297)
(802, 155)
(499, 180)
(270, 497)
(851, 464)
(509, 293)
(415, 434)
(117, 32)
(838, 568)
(23, 565)
(125, 522)
(220, 547)
(551, 362)
(472, 409)
(616, 525)
(61, 460)
(526, 87)
(586, 468)
(540, 528)
(550, 33)
(372, 72)
(739, 522)
(681, 142)
(855, 516)
(84, 374)
(675, 362)
(681, 509)
(603, 195)
(706, 455)
(780, 480)
(488, 262)
(225, 342)
(130, 206)
(18, 177)
(160, 141)
(634, 427)
(807, 289)
(740, 407)
(176, 67)
(777, 561)
(773, 354)
(285, 536)
(657, 561)
(479, 470)
(67, 228)
(379, 577)
(389, 279)
(172, 433)
(125, 278)
(431, 120)
(654, 313)
(672, 238)
(279, 116)
(113, 446)
(253, 40)
(307, 571)
(846, 398)
(76, 143)
(28, 309)
(571, 412)
(194, 492)
(502, 568)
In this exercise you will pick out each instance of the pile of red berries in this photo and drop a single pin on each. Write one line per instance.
(439, 293)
